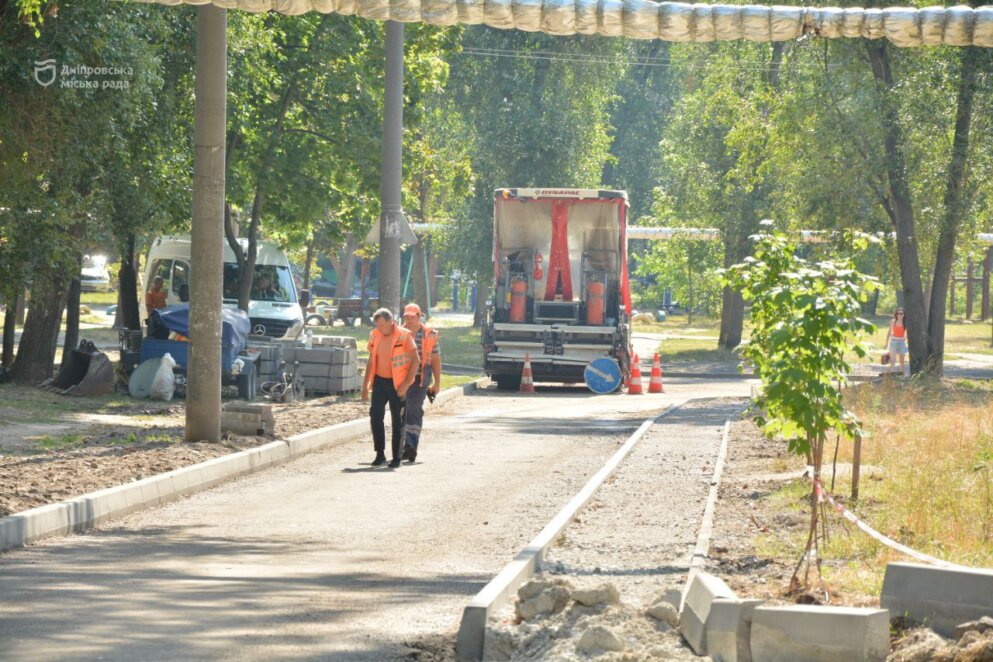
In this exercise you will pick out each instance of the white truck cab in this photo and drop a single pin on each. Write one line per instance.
(274, 308)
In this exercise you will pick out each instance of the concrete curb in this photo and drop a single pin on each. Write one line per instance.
(700, 553)
(940, 598)
(471, 639)
(89, 510)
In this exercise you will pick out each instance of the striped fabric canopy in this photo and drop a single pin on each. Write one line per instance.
(668, 21)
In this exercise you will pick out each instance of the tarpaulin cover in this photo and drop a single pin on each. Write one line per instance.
(669, 21)
(234, 329)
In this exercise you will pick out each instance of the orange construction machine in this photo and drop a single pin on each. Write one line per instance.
(561, 289)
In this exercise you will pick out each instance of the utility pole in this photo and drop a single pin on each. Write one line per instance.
(203, 397)
(392, 215)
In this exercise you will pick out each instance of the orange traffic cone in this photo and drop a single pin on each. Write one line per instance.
(634, 386)
(527, 381)
(655, 383)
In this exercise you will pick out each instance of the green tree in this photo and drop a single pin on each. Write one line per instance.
(805, 319)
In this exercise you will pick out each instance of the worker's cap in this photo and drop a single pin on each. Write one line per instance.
(412, 309)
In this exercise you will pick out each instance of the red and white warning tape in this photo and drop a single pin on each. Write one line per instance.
(889, 542)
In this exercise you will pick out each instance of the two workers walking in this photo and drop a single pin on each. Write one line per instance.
(404, 368)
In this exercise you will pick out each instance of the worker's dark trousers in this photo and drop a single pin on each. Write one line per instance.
(384, 391)
(413, 416)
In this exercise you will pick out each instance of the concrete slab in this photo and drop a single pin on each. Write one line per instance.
(803, 633)
(703, 591)
(938, 597)
(729, 630)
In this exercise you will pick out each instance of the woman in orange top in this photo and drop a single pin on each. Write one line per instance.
(896, 340)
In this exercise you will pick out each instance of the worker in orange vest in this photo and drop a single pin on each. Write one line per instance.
(427, 381)
(389, 374)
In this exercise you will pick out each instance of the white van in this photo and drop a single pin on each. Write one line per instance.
(274, 308)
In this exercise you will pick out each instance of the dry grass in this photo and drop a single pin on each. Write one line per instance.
(927, 481)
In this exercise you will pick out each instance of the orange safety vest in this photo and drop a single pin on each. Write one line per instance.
(427, 346)
(398, 353)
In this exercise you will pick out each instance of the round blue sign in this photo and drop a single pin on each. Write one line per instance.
(603, 375)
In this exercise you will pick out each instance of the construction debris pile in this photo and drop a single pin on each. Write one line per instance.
(553, 619)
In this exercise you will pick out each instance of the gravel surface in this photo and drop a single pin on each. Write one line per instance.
(636, 537)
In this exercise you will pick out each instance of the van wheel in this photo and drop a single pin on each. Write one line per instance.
(316, 320)
(507, 382)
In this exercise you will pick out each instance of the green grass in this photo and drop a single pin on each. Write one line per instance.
(448, 381)
(98, 298)
(929, 444)
(60, 442)
(679, 350)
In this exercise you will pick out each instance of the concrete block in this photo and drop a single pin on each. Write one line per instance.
(335, 341)
(313, 370)
(344, 356)
(803, 633)
(704, 589)
(729, 630)
(941, 598)
(341, 370)
(314, 355)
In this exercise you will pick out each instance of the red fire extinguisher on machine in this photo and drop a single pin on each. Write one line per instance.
(538, 272)
(518, 299)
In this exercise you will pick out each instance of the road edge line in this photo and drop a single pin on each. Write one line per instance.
(94, 508)
(471, 639)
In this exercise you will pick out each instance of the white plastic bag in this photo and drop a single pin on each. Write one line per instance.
(164, 384)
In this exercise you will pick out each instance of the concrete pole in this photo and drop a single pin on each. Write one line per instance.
(389, 226)
(203, 395)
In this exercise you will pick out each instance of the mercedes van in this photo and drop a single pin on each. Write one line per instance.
(274, 308)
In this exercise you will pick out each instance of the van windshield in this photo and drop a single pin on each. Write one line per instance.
(270, 283)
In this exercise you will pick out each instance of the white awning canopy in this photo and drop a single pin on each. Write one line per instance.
(668, 21)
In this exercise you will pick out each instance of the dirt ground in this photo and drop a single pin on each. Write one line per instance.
(54, 447)
(748, 548)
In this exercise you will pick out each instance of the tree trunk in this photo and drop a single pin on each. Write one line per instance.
(689, 288)
(900, 208)
(987, 264)
(363, 296)
(732, 303)
(128, 314)
(9, 324)
(955, 208)
(483, 288)
(36, 351)
(345, 269)
(72, 319)
(20, 312)
(418, 277)
(432, 277)
(307, 264)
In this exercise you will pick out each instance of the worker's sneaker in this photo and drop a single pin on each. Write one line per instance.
(412, 455)
(395, 463)
(380, 460)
